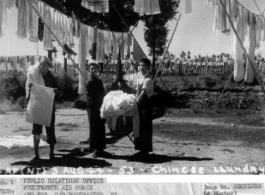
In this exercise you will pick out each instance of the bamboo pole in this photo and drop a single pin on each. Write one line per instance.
(224, 88)
(56, 39)
(165, 52)
(251, 63)
(262, 14)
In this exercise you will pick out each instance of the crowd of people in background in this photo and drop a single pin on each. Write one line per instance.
(198, 65)
(184, 65)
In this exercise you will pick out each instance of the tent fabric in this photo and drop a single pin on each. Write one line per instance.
(100, 6)
(39, 110)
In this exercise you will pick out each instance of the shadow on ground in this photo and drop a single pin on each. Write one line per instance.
(157, 158)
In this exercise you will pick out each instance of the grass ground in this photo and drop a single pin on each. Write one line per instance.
(180, 138)
(208, 137)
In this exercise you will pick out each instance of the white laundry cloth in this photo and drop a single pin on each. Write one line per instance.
(239, 69)
(40, 105)
(118, 103)
(82, 53)
(251, 44)
(100, 6)
(147, 7)
(185, 6)
(34, 76)
(11, 141)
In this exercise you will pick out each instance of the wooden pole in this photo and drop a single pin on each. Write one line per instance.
(165, 52)
(224, 88)
(56, 39)
(251, 63)
(262, 14)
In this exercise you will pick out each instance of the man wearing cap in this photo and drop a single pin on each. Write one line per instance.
(51, 81)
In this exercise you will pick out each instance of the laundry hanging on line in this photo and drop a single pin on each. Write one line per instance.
(18, 62)
(239, 68)
(185, 6)
(66, 28)
(5, 6)
(249, 26)
(100, 6)
(149, 7)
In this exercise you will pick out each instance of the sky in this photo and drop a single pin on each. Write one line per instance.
(194, 33)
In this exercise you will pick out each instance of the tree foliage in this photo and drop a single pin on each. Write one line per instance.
(156, 30)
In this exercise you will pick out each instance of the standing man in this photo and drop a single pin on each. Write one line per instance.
(43, 74)
(144, 93)
(95, 95)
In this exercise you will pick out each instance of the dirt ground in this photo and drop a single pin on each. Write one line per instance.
(183, 144)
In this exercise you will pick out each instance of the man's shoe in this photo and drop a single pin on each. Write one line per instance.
(96, 154)
(35, 159)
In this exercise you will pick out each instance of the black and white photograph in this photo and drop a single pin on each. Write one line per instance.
(132, 87)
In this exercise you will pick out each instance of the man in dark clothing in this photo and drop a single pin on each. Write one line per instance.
(52, 82)
(95, 95)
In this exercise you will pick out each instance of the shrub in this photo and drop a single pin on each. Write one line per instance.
(12, 85)
(210, 81)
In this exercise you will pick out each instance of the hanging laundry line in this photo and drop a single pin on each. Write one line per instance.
(56, 39)
(41, 8)
(241, 43)
(23, 61)
(128, 29)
